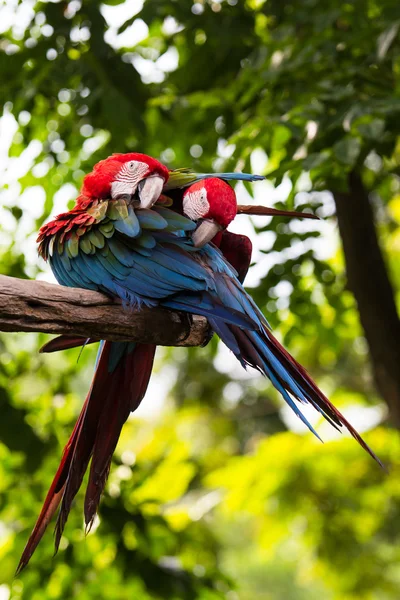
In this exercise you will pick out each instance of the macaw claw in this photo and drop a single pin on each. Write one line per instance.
(208, 336)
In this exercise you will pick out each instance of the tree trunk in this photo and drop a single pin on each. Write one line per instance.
(369, 281)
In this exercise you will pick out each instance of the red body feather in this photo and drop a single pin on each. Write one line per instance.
(237, 250)
(76, 221)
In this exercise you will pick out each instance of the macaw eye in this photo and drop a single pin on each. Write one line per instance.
(131, 165)
(203, 197)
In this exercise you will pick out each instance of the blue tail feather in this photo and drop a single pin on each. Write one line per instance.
(260, 350)
(232, 176)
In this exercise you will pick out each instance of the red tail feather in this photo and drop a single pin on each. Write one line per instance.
(113, 395)
(54, 494)
(65, 342)
(129, 385)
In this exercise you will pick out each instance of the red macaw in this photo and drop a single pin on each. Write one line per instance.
(144, 256)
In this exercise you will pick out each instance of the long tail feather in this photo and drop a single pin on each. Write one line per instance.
(180, 178)
(261, 350)
(54, 494)
(121, 378)
(267, 211)
(130, 381)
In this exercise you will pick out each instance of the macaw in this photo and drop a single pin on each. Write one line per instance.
(147, 257)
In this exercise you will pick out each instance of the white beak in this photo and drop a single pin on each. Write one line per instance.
(205, 232)
(149, 190)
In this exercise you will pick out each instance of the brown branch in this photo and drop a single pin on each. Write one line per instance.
(38, 306)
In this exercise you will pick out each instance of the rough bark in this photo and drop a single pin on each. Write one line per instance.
(369, 281)
(38, 306)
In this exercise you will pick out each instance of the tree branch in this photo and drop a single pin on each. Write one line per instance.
(38, 306)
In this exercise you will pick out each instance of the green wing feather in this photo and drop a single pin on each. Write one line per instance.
(179, 178)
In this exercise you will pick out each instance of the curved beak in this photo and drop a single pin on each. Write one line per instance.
(205, 232)
(266, 211)
(149, 190)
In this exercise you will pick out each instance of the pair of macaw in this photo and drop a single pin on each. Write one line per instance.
(127, 238)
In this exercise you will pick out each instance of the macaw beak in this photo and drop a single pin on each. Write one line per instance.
(266, 211)
(149, 190)
(206, 230)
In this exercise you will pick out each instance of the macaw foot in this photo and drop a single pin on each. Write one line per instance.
(189, 321)
(208, 336)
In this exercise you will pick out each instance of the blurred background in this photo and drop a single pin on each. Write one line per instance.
(216, 491)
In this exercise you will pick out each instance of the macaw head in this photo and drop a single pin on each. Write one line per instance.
(127, 176)
(212, 204)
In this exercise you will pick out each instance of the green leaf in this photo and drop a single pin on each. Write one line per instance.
(314, 160)
(347, 150)
(372, 130)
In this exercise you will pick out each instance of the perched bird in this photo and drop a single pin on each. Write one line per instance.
(108, 242)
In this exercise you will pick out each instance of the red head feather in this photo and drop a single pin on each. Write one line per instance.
(211, 199)
(97, 184)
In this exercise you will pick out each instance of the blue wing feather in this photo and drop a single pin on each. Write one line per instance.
(130, 226)
(151, 219)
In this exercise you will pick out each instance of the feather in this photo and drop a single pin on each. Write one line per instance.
(175, 222)
(113, 266)
(73, 246)
(54, 495)
(115, 392)
(121, 252)
(98, 211)
(215, 292)
(107, 229)
(262, 351)
(208, 306)
(146, 241)
(129, 383)
(129, 225)
(180, 178)
(85, 244)
(117, 210)
(151, 219)
(96, 238)
(65, 342)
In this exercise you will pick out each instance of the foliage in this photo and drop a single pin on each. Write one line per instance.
(218, 494)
